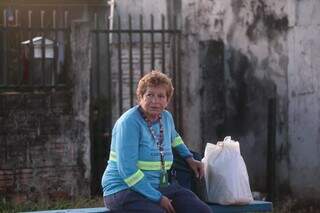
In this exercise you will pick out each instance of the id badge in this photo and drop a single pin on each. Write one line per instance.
(164, 182)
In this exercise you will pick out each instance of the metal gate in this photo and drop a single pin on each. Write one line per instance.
(122, 55)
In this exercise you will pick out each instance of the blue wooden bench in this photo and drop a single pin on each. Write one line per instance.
(255, 206)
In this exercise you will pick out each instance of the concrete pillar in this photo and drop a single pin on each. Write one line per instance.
(81, 66)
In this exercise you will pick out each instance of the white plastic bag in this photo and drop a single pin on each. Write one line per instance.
(226, 176)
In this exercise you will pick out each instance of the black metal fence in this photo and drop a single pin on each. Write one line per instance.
(33, 56)
(124, 54)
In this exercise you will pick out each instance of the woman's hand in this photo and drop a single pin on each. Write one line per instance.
(196, 166)
(166, 204)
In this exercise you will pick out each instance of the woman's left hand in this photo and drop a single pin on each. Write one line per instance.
(196, 166)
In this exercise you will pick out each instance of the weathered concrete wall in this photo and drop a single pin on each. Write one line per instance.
(267, 44)
(135, 8)
(81, 47)
(303, 95)
(44, 136)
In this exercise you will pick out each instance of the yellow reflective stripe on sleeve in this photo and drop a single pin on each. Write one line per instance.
(153, 165)
(113, 156)
(177, 141)
(135, 178)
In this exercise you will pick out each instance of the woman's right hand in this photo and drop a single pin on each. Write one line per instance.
(166, 204)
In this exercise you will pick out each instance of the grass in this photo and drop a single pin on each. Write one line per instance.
(9, 207)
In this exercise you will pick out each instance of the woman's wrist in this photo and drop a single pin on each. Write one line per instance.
(190, 159)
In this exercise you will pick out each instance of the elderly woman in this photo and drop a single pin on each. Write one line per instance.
(136, 178)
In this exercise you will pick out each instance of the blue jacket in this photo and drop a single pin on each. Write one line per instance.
(134, 160)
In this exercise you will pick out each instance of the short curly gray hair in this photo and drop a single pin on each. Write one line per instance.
(153, 79)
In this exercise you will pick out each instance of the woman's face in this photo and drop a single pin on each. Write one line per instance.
(154, 101)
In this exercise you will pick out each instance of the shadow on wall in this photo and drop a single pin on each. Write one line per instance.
(235, 103)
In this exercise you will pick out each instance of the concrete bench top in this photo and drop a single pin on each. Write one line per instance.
(255, 206)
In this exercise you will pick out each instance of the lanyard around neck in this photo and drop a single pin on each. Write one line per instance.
(157, 138)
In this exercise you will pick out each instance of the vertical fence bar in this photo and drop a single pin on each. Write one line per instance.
(16, 14)
(65, 19)
(5, 18)
(141, 47)
(66, 48)
(130, 61)
(152, 42)
(96, 22)
(20, 56)
(173, 47)
(98, 103)
(108, 55)
(43, 49)
(42, 18)
(119, 66)
(1, 57)
(94, 106)
(179, 83)
(55, 50)
(5, 47)
(163, 44)
(97, 57)
(29, 71)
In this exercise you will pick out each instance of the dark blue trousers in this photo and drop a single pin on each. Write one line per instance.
(183, 201)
